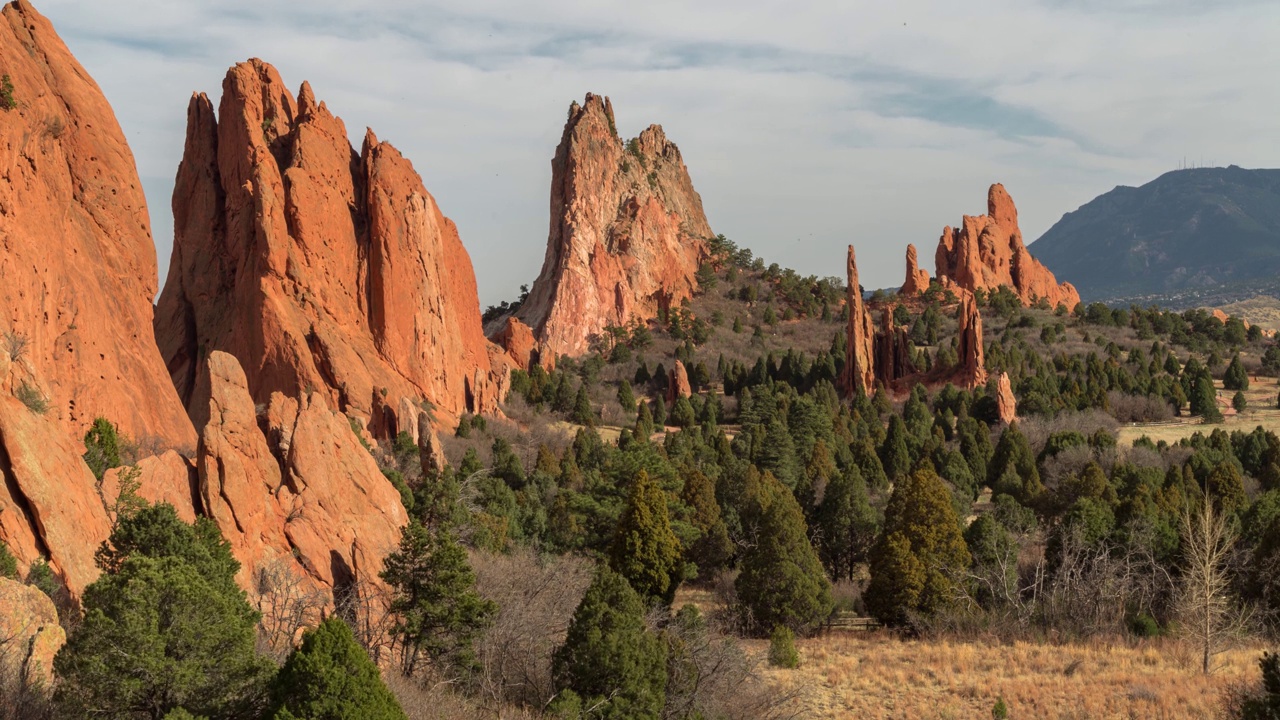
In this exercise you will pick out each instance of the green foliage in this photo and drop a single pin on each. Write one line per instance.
(31, 396)
(41, 577)
(782, 648)
(582, 413)
(330, 677)
(165, 627)
(610, 661)
(999, 711)
(781, 580)
(102, 447)
(1239, 402)
(1264, 704)
(1013, 459)
(1235, 377)
(8, 563)
(1204, 398)
(434, 605)
(920, 549)
(846, 523)
(7, 101)
(645, 551)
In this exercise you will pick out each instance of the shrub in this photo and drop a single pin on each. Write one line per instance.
(999, 711)
(782, 648)
(102, 447)
(7, 102)
(1239, 402)
(8, 563)
(31, 397)
(330, 677)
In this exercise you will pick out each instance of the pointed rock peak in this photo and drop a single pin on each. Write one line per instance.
(1000, 208)
(370, 142)
(306, 100)
(917, 281)
(595, 111)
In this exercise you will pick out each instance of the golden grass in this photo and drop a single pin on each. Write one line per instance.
(1262, 411)
(874, 675)
(1261, 310)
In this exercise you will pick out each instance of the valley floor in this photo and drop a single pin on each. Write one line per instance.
(874, 675)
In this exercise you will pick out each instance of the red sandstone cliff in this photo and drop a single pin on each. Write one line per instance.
(973, 368)
(627, 232)
(859, 368)
(986, 252)
(77, 264)
(319, 268)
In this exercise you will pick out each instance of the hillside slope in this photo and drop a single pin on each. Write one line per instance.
(1185, 230)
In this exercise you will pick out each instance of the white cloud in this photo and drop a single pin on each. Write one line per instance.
(805, 125)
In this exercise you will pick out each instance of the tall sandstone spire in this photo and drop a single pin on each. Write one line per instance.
(627, 232)
(859, 367)
(77, 276)
(986, 251)
(318, 268)
(77, 264)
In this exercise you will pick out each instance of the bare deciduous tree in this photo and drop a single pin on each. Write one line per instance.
(1211, 618)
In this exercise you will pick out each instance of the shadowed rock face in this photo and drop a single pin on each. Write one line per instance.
(319, 268)
(859, 369)
(77, 263)
(986, 252)
(973, 369)
(627, 232)
(892, 356)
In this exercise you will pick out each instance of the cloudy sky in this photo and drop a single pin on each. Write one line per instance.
(806, 125)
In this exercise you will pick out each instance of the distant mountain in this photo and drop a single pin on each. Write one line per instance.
(1184, 233)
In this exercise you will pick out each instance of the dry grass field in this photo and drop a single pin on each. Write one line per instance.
(1262, 310)
(874, 675)
(1262, 411)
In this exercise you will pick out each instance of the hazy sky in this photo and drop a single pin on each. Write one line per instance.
(806, 126)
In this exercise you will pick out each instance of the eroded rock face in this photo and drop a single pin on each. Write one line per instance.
(166, 478)
(859, 368)
(973, 369)
(517, 339)
(892, 356)
(677, 384)
(305, 497)
(30, 631)
(322, 270)
(49, 502)
(986, 251)
(77, 263)
(917, 279)
(1006, 404)
(627, 232)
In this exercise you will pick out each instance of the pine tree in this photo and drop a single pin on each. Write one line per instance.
(610, 661)
(164, 628)
(713, 548)
(1235, 377)
(626, 397)
(920, 521)
(8, 563)
(782, 581)
(1014, 460)
(436, 610)
(644, 422)
(1204, 398)
(1240, 402)
(682, 414)
(894, 453)
(645, 551)
(330, 677)
(846, 523)
(582, 413)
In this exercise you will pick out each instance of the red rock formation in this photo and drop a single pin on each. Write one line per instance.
(973, 369)
(49, 502)
(892, 356)
(627, 232)
(31, 633)
(307, 497)
(517, 339)
(168, 478)
(677, 384)
(917, 280)
(77, 263)
(987, 252)
(318, 268)
(859, 368)
(1006, 404)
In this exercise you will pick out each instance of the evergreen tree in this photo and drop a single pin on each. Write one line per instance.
(582, 413)
(1239, 402)
(644, 422)
(8, 563)
(920, 521)
(626, 397)
(1235, 377)
(782, 581)
(1013, 466)
(682, 414)
(713, 548)
(1204, 398)
(102, 446)
(645, 551)
(610, 662)
(164, 628)
(330, 677)
(846, 523)
(894, 453)
(436, 610)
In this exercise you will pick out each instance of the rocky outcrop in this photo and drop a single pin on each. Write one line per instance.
(77, 262)
(986, 251)
(917, 279)
(627, 232)
(167, 478)
(677, 384)
(1006, 404)
(517, 339)
(322, 270)
(892, 354)
(305, 496)
(29, 634)
(49, 503)
(973, 369)
(859, 367)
